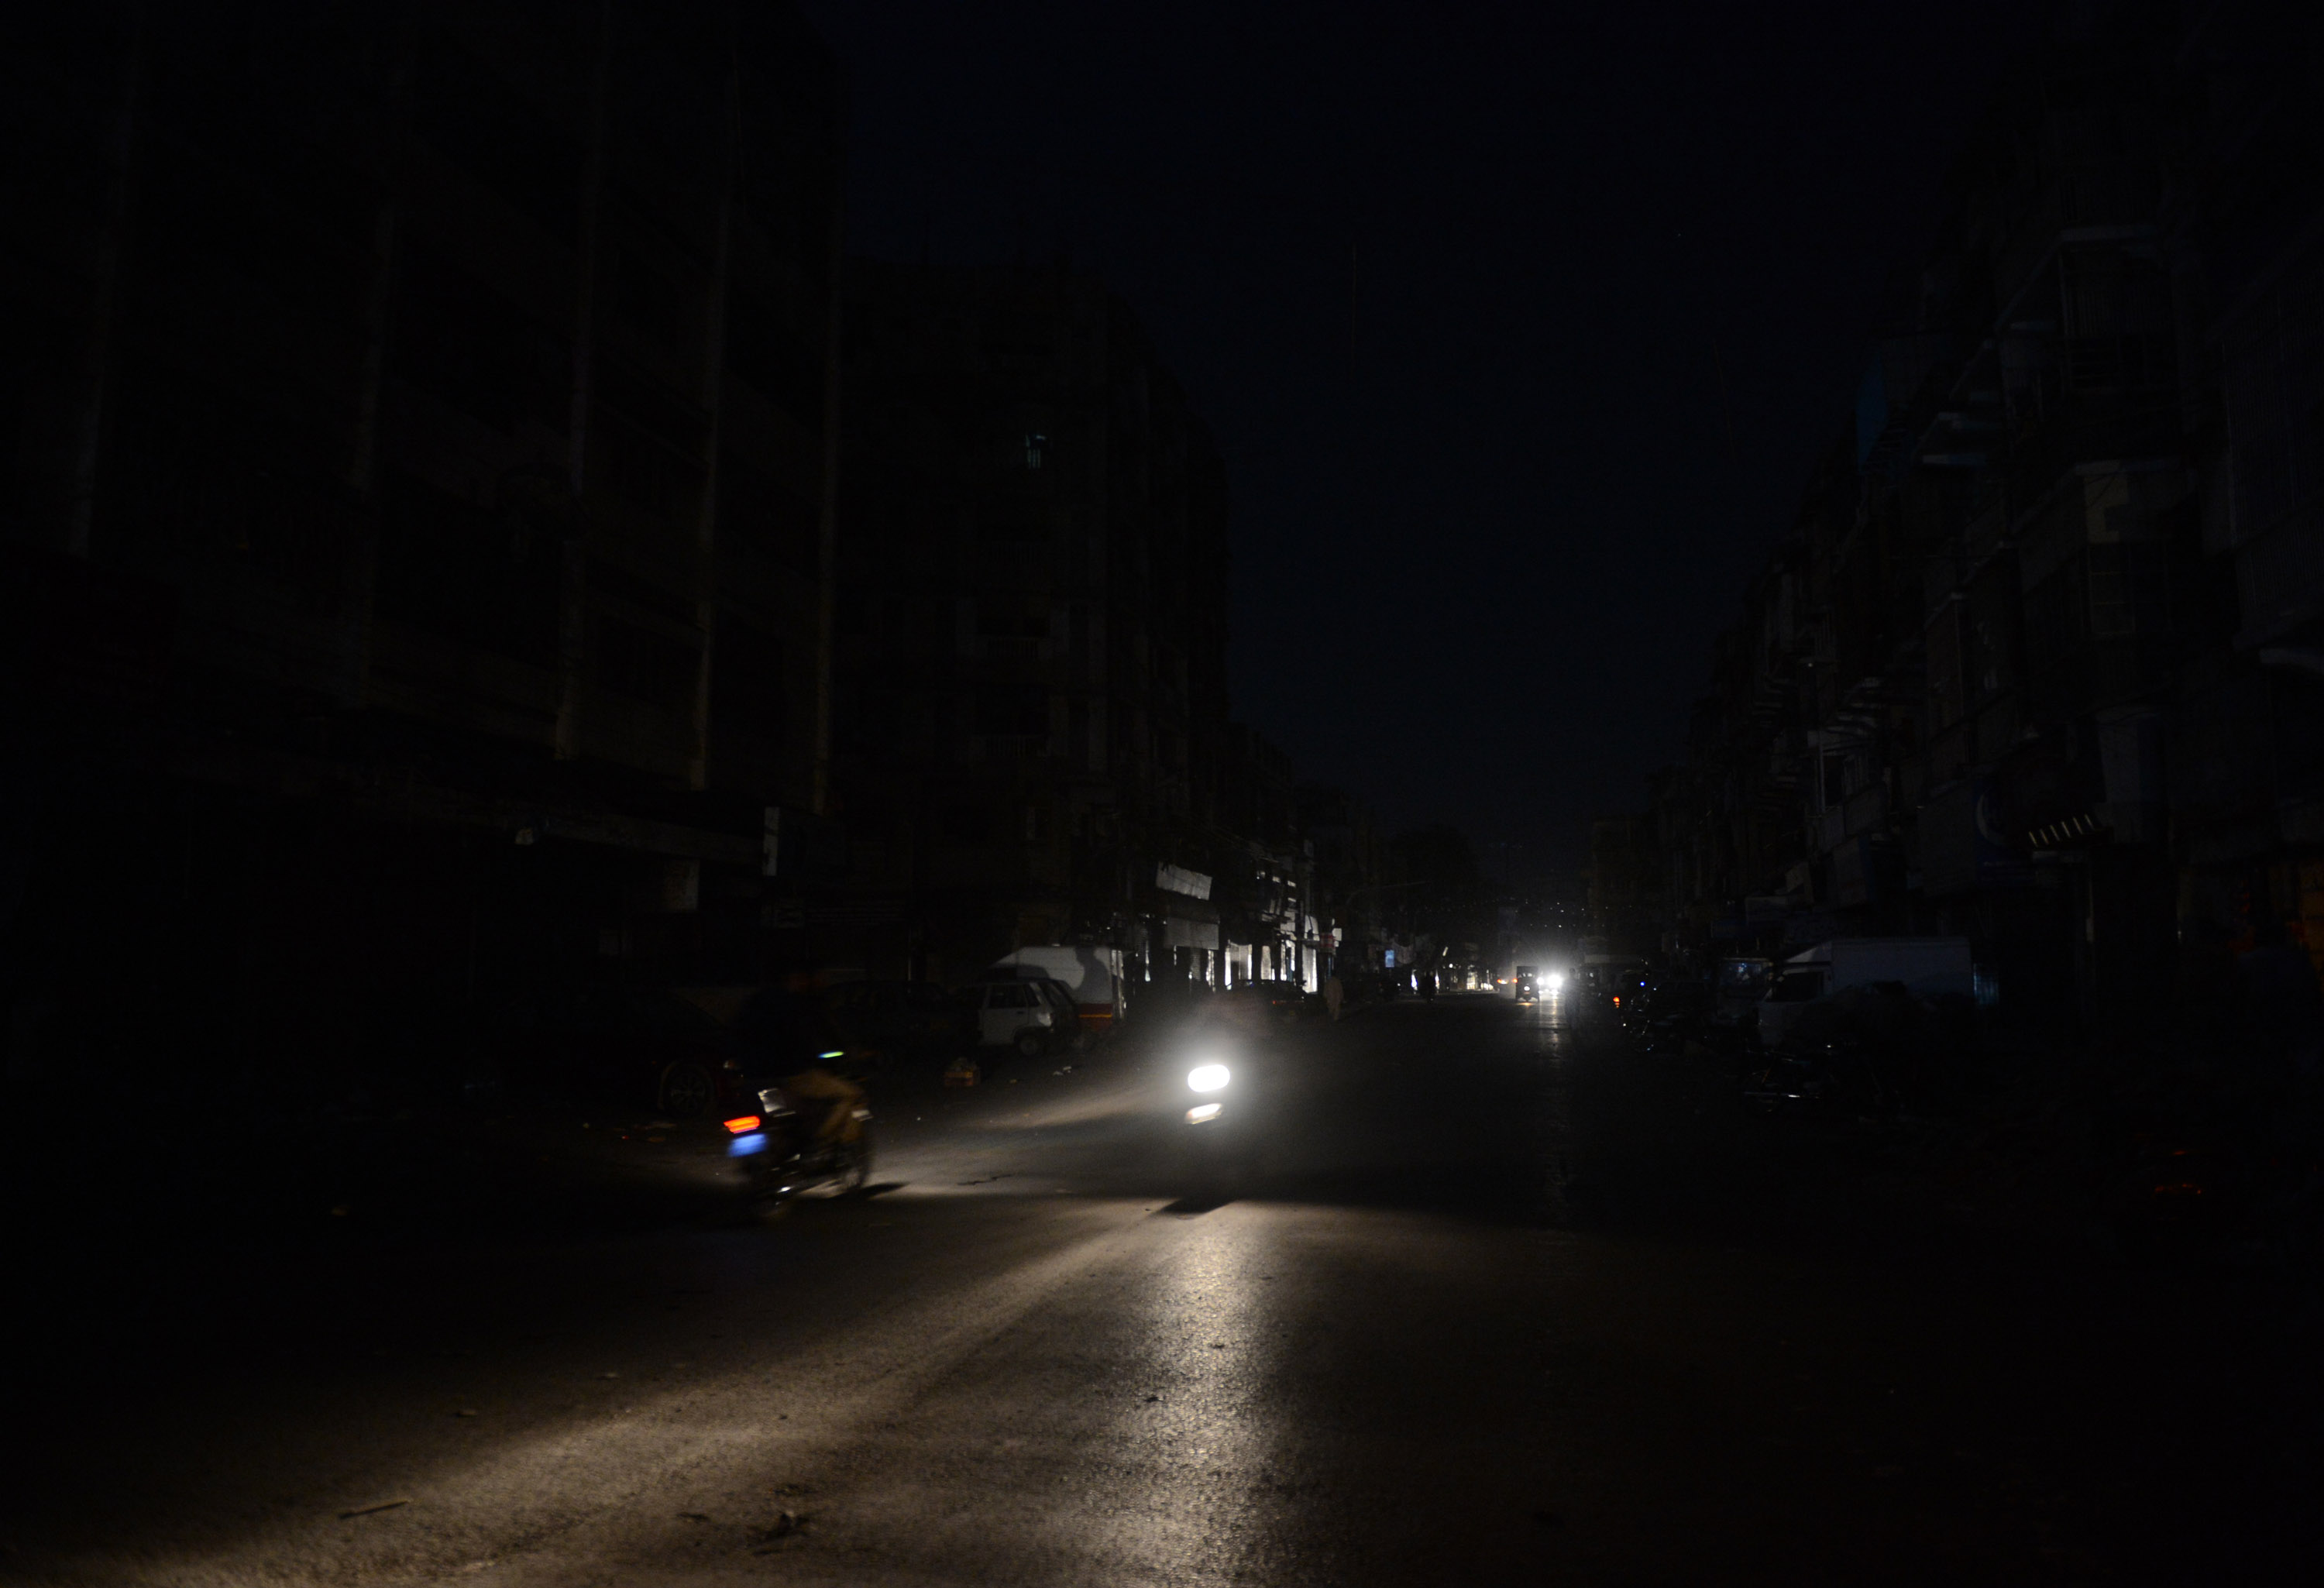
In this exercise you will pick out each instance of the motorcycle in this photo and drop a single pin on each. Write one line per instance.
(1208, 1082)
(811, 1133)
(1210, 1116)
(1674, 1016)
(1824, 1080)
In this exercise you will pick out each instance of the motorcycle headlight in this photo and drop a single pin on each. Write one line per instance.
(1207, 1078)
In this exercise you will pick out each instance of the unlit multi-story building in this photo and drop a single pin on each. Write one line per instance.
(2039, 662)
(418, 434)
(1032, 626)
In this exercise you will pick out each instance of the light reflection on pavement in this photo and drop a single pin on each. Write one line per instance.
(1407, 1348)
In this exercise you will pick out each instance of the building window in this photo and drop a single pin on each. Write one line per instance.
(646, 299)
(1012, 617)
(1035, 444)
(1013, 530)
(746, 679)
(1018, 711)
(627, 659)
(449, 567)
(967, 823)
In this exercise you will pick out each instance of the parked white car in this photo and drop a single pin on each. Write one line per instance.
(1091, 977)
(1032, 1014)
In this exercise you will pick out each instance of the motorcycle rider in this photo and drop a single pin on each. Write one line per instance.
(785, 1033)
(841, 1101)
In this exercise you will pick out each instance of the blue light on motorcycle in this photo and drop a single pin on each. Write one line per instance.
(745, 1146)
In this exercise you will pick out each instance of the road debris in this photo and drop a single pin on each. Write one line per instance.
(786, 1525)
(367, 1510)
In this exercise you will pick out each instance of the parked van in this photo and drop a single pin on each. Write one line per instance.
(1927, 967)
(1032, 1014)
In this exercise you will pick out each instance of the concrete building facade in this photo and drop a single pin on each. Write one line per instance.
(2038, 661)
(1032, 631)
(418, 438)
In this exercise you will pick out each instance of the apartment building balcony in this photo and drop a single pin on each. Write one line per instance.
(1866, 810)
(1009, 648)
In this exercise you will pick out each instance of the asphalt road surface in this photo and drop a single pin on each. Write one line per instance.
(1480, 1300)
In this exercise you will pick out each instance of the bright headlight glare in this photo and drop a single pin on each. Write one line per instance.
(1556, 979)
(1207, 1078)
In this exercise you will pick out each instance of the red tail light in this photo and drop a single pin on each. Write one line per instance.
(749, 1122)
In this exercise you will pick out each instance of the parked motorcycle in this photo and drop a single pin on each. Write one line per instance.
(1840, 1079)
(1671, 1016)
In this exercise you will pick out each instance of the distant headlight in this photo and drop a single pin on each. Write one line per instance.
(1207, 1078)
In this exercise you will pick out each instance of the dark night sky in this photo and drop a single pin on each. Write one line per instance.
(1616, 267)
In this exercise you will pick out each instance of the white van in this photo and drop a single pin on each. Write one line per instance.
(1032, 1014)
